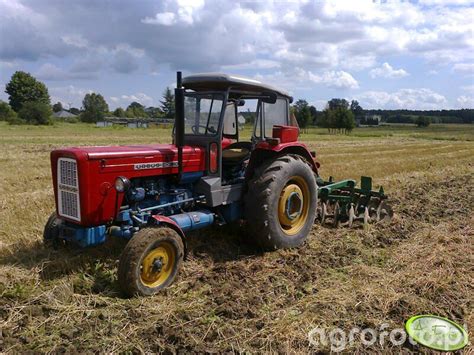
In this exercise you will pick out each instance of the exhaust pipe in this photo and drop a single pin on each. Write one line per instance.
(179, 121)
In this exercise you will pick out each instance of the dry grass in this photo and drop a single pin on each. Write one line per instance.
(230, 297)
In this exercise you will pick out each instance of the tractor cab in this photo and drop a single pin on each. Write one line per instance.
(207, 107)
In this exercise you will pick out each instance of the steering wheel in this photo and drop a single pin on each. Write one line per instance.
(196, 128)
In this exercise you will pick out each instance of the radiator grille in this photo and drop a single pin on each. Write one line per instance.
(68, 189)
(68, 172)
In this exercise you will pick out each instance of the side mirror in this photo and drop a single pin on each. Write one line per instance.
(241, 102)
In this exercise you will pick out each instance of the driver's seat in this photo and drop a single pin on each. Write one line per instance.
(236, 152)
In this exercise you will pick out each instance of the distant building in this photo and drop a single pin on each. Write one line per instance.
(144, 122)
(137, 124)
(372, 118)
(104, 124)
(64, 114)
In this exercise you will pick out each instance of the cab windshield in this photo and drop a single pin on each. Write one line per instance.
(202, 113)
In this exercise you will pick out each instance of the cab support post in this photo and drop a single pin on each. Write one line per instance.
(179, 121)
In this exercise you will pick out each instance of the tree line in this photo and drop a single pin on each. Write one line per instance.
(435, 116)
(339, 116)
(29, 102)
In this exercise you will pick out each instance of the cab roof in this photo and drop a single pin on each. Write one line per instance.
(220, 81)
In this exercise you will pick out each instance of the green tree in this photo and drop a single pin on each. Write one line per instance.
(154, 112)
(348, 121)
(135, 109)
(314, 114)
(95, 108)
(167, 104)
(75, 111)
(6, 112)
(302, 112)
(335, 103)
(23, 87)
(57, 107)
(423, 121)
(36, 112)
(119, 112)
(356, 109)
(337, 116)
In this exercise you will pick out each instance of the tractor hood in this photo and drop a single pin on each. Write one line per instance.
(161, 158)
(86, 175)
(127, 151)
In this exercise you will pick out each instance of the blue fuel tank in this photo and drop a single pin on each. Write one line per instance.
(193, 220)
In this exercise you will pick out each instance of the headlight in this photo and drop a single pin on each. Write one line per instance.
(122, 184)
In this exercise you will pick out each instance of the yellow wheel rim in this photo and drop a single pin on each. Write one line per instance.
(157, 265)
(293, 205)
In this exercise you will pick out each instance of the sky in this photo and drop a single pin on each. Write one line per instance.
(385, 54)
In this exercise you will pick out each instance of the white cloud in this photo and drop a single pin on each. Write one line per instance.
(8, 64)
(467, 68)
(52, 72)
(163, 18)
(468, 88)
(254, 64)
(344, 34)
(421, 98)
(186, 11)
(68, 95)
(75, 40)
(334, 79)
(446, 2)
(465, 101)
(140, 97)
(387, 71)
(331, 40)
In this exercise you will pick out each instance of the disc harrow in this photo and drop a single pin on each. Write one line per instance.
(343, 203)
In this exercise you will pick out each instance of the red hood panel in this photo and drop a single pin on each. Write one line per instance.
(104, 152)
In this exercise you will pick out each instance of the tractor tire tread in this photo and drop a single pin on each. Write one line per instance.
(257, 204)
(133, 254)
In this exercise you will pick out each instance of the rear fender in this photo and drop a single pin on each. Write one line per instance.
(168, 222)
(265, 150)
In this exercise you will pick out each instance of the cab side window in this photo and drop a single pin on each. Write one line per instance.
(230, 120)
(275, 114)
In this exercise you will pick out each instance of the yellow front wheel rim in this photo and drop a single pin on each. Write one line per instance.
(157, 265)
(293, 205)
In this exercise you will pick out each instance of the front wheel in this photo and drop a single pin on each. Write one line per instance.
(150, 261)
(51, 230)
(280, 204)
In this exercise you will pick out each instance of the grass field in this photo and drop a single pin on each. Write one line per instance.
(229, 296)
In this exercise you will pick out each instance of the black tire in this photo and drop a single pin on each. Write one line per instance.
(51, 230)
(135, 261)
(266, 191)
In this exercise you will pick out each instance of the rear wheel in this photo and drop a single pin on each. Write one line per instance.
(150, 261)
(280, 204)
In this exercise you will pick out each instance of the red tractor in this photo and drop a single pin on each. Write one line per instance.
(152, 195)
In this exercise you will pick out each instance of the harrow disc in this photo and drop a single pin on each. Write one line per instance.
(366, 218)
(337, 215)
(352, 215)
(380, 211)
(384, 212)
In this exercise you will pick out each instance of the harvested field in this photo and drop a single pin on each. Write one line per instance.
(229, 296)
